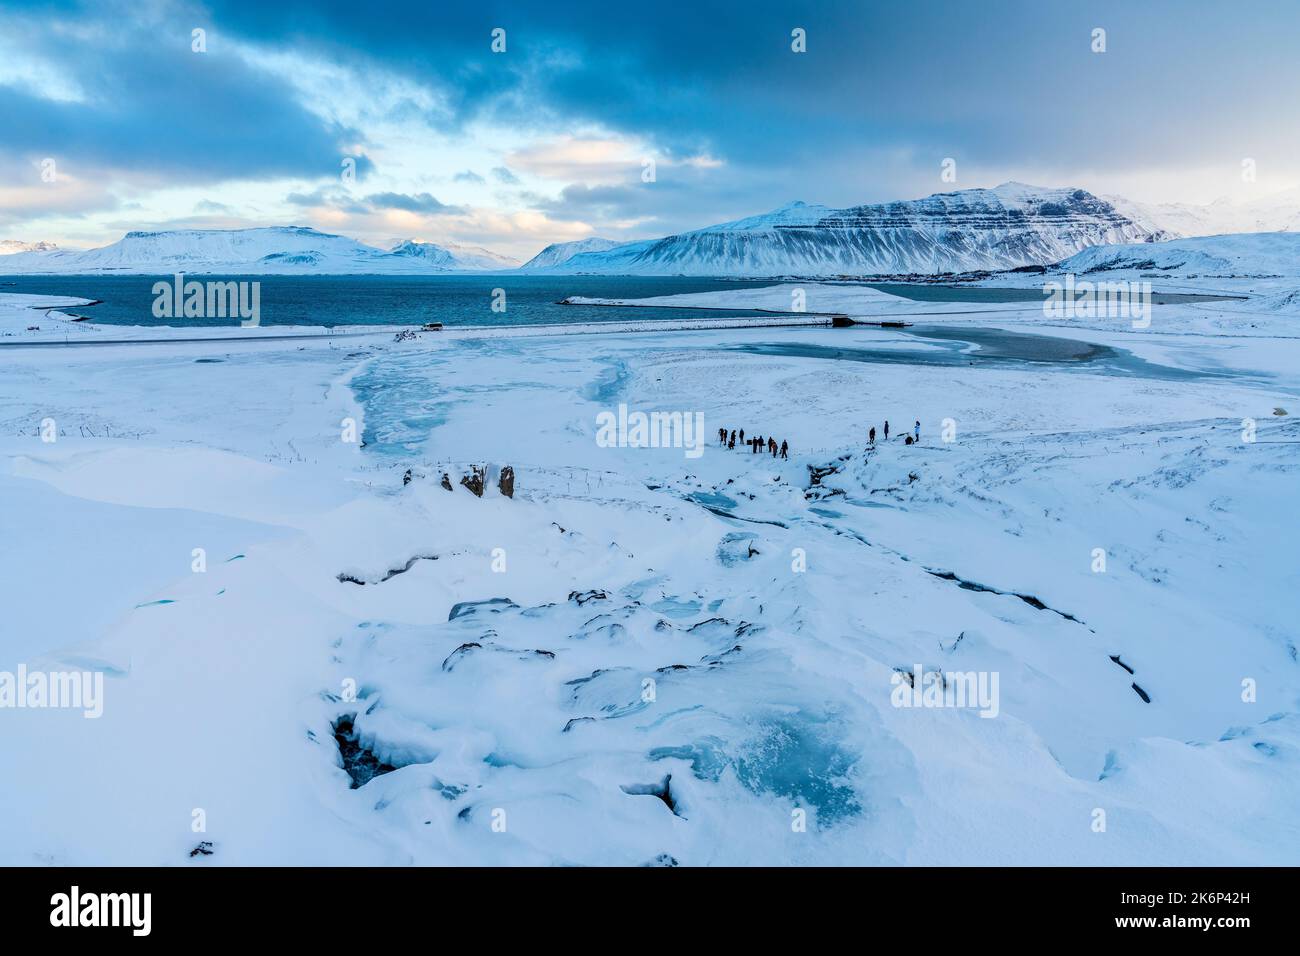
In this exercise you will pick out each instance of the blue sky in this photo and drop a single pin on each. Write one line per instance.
(547, 141)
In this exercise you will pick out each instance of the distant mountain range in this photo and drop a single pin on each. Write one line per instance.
(1007, 227)
(1279, 212)
(9, 247)
(454, 257)
(273, 250)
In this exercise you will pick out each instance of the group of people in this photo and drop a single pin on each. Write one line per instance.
(757, 443)
(908, 439)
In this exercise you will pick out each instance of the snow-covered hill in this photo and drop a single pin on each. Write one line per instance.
(1279, 212)
(1002, 228)
(274, 250)
(558, 253)
(1242, 254)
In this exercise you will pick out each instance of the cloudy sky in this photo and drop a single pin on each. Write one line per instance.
(547, 141)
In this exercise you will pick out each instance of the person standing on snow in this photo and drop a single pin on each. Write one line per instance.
(871, 435)
(785, 449)
(918, 430)
(886, 429)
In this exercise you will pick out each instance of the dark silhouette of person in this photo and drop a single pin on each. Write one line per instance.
(871, 435)
(753, 445)
(771, 446)
(742, 434)
(785, 450)
(886, 431)
(722, 436)
(918, 431)
(732, 443)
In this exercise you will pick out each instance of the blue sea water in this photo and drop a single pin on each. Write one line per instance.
(388, 300)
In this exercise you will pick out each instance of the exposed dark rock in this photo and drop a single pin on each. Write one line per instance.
(1027, 598)
(474, 481)
(662, 790)
(455, 656)
(203, 849)
(346, 578)
(492, 605)
(446, 481)
(360, 763)
(582, 597)
(817, 472)
(710, 621)
(507, 482)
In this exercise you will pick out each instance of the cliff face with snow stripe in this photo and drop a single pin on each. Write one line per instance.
(1010, 226)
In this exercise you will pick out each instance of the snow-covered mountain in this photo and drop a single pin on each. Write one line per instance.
(1002, 228)
(558, 253)
(454, 257)
(10, 247)
(1279, 212)
(1240, 254)
(273, 250)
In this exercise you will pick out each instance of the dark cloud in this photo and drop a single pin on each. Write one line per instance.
(209, 207)
(155, 111)
(504, 175)
(419, 202)
(1012, 84)
(339, 198)
(884, 92)
(333, 197)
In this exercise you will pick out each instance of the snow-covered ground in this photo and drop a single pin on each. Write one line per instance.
(646, 656)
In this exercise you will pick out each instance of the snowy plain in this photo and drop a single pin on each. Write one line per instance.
(499, 649)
